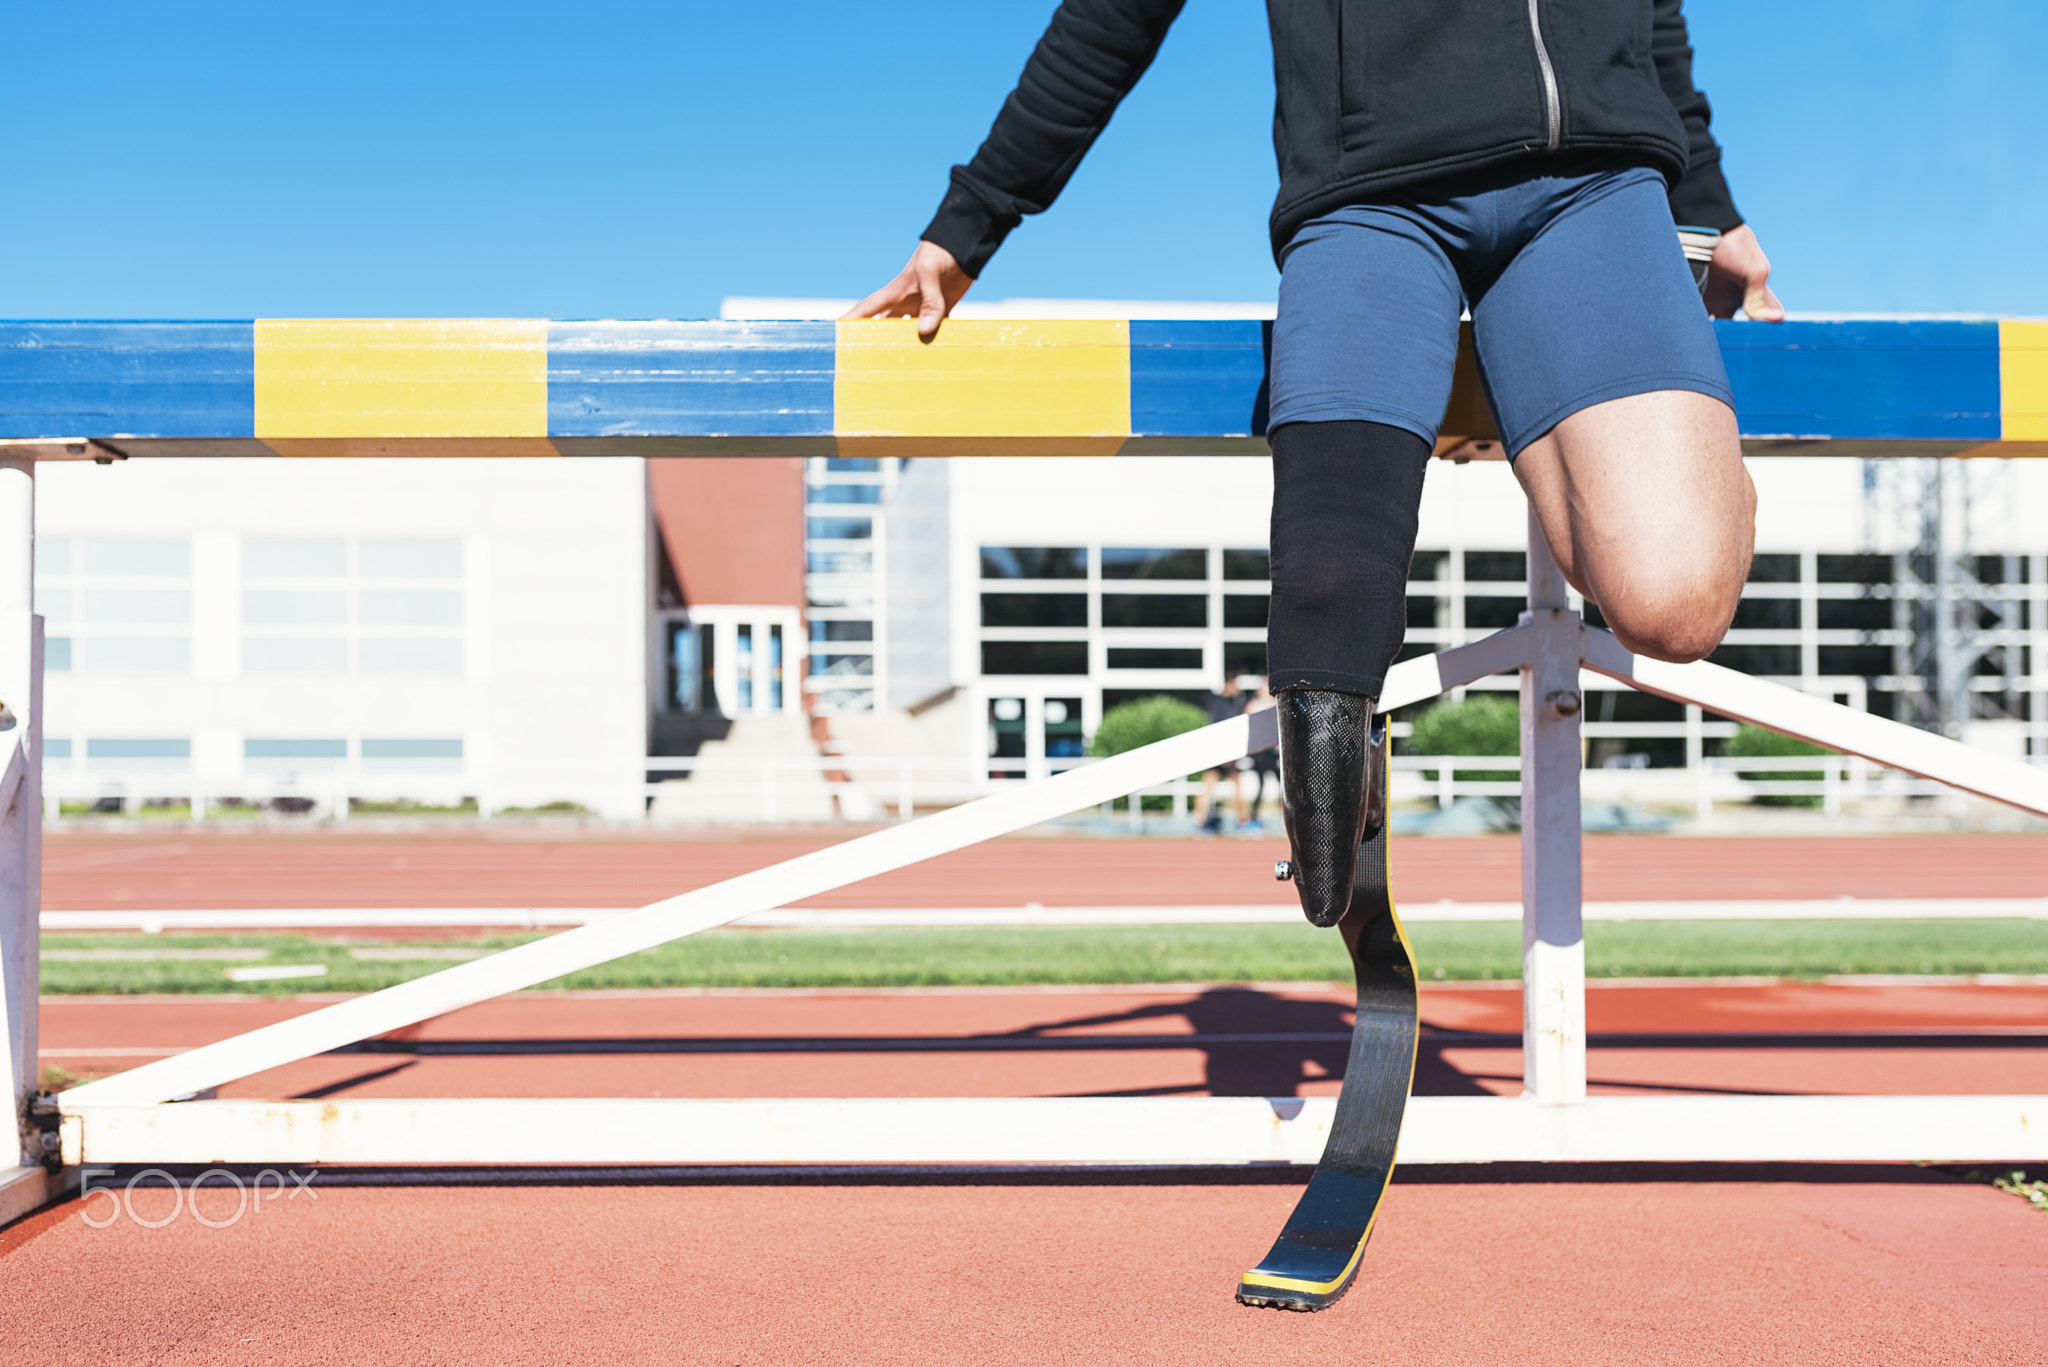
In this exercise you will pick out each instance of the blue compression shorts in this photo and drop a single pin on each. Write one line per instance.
(1578, 290)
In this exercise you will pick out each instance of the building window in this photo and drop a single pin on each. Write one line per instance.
(1034, 562)
(115, 604)
(839, 528)
(1247, 564)
(1006, 736)
(411, 755)
(1146, 562)
(1063, 737)
(293, 755)
(305, 612)
(294, 655)
(387, 559)
(410, 655)
(839, 562)
(138, 753)
(1505, 567)
(324, 558)
(844, 493)
(1766, 614)
(1034, 657)
(1034, 609)
(1247, 610)
(1155, 610)
(842, 631)
(1155, 657)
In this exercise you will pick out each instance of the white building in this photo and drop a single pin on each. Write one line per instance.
(423, 629)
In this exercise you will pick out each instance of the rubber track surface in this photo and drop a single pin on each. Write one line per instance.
(91, 872)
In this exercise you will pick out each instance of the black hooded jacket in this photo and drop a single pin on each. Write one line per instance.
(1373, 95)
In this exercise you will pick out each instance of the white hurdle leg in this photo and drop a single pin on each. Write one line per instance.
(21, 798)
(1553, 939)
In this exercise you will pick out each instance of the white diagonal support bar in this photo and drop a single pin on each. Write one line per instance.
(1411, 681)
(1824, 723)
(1169, 1130)
(600, 942)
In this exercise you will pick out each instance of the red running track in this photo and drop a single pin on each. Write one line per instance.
(1564, 1266)
(1137, 1041)
(1867, 1266)
(482, 869)
(1577, 1266)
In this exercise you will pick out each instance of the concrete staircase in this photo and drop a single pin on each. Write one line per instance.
(751, 778)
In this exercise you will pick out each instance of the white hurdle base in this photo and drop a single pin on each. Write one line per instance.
(1216, 1131)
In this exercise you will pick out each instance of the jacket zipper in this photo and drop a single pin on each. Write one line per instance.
(1552, 117)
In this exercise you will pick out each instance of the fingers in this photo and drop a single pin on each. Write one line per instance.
(897, 299)
(931, 290)
(926, 289)
(1760, 303)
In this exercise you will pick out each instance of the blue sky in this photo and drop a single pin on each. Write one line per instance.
(645, 160)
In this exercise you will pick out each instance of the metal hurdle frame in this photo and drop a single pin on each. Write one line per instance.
(162, 1112)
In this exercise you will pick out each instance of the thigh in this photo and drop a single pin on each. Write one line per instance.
(1646, 506)
(1368, 323)
(1596, 304)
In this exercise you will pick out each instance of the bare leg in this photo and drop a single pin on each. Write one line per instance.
(1650, 513)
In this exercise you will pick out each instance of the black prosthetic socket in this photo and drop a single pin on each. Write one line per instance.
(1345, 497)
(1327, 790)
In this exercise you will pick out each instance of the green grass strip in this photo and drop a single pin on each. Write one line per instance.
(1448, 952)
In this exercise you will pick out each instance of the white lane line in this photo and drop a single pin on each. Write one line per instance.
(1034, 914)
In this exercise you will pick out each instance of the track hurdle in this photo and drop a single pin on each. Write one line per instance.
(1098, 388)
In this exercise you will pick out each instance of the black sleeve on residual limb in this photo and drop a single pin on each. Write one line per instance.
(1702, 199)
(1092, 53)
(1345, 501)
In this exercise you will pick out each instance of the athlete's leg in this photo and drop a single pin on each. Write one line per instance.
(1363, 351)
(1607, 382)
(1345, 501)
(1649, 512)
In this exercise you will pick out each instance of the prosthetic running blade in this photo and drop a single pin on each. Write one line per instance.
(1313, 1262)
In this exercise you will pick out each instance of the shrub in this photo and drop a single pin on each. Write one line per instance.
(1141, 722)
(1481, 724)
(1754, 742)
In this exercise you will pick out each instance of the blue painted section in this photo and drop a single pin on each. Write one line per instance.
(127, 379)
(1900, 380)
(1199, 379)
(623, 379)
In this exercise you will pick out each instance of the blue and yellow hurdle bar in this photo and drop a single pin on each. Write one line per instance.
(518, 386)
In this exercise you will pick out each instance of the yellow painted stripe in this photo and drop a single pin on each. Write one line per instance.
(1066, 379)
(2023, 380)
(386, 378)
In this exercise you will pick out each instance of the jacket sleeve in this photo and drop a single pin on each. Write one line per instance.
(1702, 198)
(1092, 53)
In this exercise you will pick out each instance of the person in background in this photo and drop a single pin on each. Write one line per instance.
(1263, 765)
(1221, 706)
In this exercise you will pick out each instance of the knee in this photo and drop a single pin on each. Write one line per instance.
(1679, 617)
